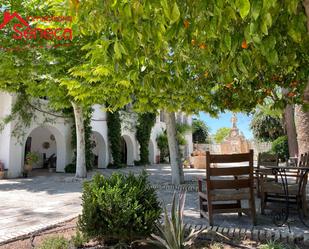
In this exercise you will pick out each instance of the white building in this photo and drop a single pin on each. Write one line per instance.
(54, 138)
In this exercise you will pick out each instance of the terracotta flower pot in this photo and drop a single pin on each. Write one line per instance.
(2, 174)
(28, 167)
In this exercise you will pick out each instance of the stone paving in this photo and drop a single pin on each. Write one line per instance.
(30, 204)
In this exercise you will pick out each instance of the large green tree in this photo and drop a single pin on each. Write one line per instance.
(200, 131)
(265, 127)
(188, 56)
(195, 55)
(221, 134)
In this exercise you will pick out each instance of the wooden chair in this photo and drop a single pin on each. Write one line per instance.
(265, 159)
(227, 186)
(274, 191)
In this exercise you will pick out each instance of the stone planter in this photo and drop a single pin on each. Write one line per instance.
(199, 162)
(52, 170)
(28, 167)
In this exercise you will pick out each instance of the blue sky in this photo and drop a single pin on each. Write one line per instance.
(224, 120)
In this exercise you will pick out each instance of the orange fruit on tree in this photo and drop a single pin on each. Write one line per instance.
(186, 24)
(202, 45)
(291, 94)
(244, 44)
(229, 85)
(294, 83)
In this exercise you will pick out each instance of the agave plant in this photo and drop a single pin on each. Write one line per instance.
(172, 230)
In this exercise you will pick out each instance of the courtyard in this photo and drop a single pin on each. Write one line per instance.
(45, 199)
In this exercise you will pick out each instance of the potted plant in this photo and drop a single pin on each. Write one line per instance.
(31, 158)
(1, 170)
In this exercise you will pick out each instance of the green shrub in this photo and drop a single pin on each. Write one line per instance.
(70, 168)
(145, 122)
(275, 245)
(79, 239)
(116, 166)
(114, 135)
(139, 163)
(280, 146)
(55, 242)
(118, 209)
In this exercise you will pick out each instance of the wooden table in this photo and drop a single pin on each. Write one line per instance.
(282, 173)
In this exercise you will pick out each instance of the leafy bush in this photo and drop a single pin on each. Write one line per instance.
(118, 166)
(265, 127)
(274, 245)
(162, 140)
(145, 123)
(56, 242)
(119, 208)
(280, 146)
(78, 240)
(162, 143)
(139, 163)
(221, 134)
(70, 168)
(114, 136)
(200, 132)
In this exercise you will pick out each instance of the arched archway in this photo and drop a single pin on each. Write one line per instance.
(128, 150)
(48, 142)
(151, 148)
(100, 149)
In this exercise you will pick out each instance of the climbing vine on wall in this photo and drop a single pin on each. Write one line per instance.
(145, 122)
(23, 113)
(89, 143)
(162, 141)
(114, 137)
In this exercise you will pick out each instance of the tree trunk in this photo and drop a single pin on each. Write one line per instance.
(175, 158)
(81, 170)
(302, 117)
(302, 128)
(290, 128)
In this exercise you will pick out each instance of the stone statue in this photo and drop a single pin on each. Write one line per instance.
(234, 120)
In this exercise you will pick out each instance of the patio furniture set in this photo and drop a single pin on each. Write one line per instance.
(232, 180)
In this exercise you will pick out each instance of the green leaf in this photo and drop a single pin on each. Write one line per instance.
(117, 50)
(241, 65)
(264, 28)
(272, 57)
(268, 19)
(166, 8)
(256, 9)
(295, 35)
(228, 42)
(292, 6)
(101, 71)
(175, 15)
(296, 27)
(244, 8)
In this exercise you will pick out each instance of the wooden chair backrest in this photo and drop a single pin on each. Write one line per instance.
(303, 162)
(267, 159)
(246, 171)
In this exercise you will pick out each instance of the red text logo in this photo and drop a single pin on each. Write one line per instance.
(23, 30)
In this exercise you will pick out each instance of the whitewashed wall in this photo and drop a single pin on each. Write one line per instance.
(12, 150)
